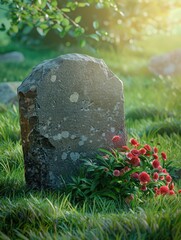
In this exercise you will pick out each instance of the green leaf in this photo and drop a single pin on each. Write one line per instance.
(78, 31)
(95, 24)
(40, 31)
(65, 22)
(65, 9)
(82, 43)
(54, 3)
(14, 28)
(43, 26)
(58, 27)
(78, 19)
(83, 4)
(105, 151)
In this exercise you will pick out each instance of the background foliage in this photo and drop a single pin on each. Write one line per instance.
(111, 21)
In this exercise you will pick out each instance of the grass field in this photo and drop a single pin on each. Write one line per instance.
(152, 109)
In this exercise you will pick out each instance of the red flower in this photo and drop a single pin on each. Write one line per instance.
(155, 149)
(134, 142)
(116, 138)
(171, 192)
(157, 192)
(142, 151)
(143, 188)
(135, 161)
(147, 147)
(164, 156)
(129, 155)
(116, 173)
(155, 156)
(135, 175)
(155, 189)
(155, 163)
(168, 178)
(160, 168)
(164, 190)
(171, 186)
(126, 168)
(179, 191)
(135, 152)
(116, 141)
(144, 178)
(155, 176)
(125, 148)
(122, 172)
(164, 170)
(161, 177)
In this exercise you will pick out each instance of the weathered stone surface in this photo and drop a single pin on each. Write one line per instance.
(69, 107)
(168, 64)
(8, 92)
(11, 57)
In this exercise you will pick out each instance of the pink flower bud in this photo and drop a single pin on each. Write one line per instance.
(147, 147)
(116, 173)
(155, 163)
(164, 156)
(155, 176)
(155, 149)
(144, 177)
(135, 161)
(142, 151)
(164, 190)
(134, 142)
(155, 156)
(168, 178)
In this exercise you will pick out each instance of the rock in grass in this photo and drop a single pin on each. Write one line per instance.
(168, 64)
(8, 92)
(11, 57)
(69, 107)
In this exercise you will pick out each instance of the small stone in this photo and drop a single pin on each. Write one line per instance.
(15, 57)
(8, 92)
(168, 64)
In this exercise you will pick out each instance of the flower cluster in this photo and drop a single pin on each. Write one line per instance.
(126, 172)
(146, 166)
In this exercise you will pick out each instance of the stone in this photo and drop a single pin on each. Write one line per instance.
(8, 92)
(14, 57)
(69, 107)
(168, 64)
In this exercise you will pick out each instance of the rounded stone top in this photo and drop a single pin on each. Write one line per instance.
(54, 65)
(79, 57)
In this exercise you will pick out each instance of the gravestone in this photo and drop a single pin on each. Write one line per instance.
(69, 107)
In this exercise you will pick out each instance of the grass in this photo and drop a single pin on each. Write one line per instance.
(152, 108)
